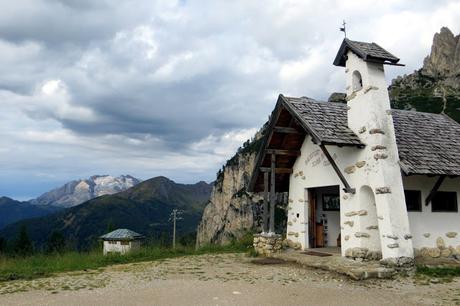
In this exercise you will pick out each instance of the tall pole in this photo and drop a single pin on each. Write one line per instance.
(265, 220)
(174, 228)
(272, 195)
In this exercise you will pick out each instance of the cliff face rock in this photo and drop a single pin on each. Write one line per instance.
(231, 210)
(444, 60)
(79, 191)
(434, 88)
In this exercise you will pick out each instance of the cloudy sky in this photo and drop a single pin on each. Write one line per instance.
(169, 87)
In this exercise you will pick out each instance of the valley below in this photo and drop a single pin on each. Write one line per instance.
(221, 279)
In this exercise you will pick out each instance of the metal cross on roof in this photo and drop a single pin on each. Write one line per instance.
(344, 28)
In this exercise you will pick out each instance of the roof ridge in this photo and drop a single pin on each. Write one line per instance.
(449, 118)
(418, 112)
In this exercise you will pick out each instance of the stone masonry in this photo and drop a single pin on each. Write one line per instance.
(268, 244)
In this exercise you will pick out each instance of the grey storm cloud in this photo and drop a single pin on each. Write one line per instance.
(176, 80)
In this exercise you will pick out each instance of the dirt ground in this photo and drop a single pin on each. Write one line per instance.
(224, 279)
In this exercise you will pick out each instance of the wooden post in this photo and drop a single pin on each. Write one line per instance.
(174, 229)
(265, 220)
(272, 195)
(434, 190)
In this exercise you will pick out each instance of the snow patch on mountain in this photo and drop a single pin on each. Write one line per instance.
(76, 192)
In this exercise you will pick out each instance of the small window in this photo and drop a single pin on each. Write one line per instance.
(413, 200)
(331, 202)
(124, 242)
(444, 201)
(357, 81)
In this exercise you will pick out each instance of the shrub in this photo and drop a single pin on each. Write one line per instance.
(23, 244)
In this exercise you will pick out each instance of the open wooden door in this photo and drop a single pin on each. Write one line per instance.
(312, 218)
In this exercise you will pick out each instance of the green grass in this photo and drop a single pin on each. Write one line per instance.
(42, 265)
(439, 272)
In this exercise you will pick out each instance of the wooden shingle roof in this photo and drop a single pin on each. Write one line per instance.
(427, 143)
(370, 52)
(327, 121)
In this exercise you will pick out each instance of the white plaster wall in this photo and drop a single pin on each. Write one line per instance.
(436, 224)
(118, 247)
(369, 116)
(312, 170)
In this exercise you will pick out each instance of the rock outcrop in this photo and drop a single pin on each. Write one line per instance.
(434, 88)
(444, 60)
(232, 211)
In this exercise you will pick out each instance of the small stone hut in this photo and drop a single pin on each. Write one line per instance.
(121, 241)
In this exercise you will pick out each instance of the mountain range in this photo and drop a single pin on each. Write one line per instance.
(70, 194)
(144, 208)
(78, 191)
(12, 211)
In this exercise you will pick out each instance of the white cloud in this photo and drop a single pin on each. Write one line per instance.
(174, 87)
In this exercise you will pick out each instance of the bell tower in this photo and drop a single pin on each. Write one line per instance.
(379, 181)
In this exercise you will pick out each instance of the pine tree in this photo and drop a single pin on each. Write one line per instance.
(2, 245)
(23, 245)
(110, 226)
(55, 243)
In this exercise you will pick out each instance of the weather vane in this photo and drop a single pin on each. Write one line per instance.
(344, 28)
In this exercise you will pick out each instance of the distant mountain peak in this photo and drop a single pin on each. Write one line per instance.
(435, 88)
(76, 192)
(444, 59)
(144, 208)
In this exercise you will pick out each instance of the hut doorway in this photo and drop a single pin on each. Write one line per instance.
(324, 216)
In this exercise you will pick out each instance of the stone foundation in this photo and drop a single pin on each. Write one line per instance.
(441, 250)
(268, 244)
(399, 264)
(362, 254)
(288, 243)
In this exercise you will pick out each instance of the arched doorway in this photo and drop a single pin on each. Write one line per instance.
(368, 222)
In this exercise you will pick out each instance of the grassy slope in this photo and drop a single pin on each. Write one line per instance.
(42, 265)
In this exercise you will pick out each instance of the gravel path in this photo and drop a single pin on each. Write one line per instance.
(227, 279)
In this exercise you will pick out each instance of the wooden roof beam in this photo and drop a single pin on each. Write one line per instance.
(347, 188)
(434, 190)
(283, 152)
(286, 130)
(277, 170)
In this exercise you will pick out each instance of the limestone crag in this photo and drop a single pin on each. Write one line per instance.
(232, 211)
(444, 60)
(435, 87)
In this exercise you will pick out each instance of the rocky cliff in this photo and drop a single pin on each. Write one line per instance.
(79, 191)
(231, 210)
(444, 60)
(436, 86)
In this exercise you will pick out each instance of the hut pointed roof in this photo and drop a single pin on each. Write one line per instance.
(122, 234)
